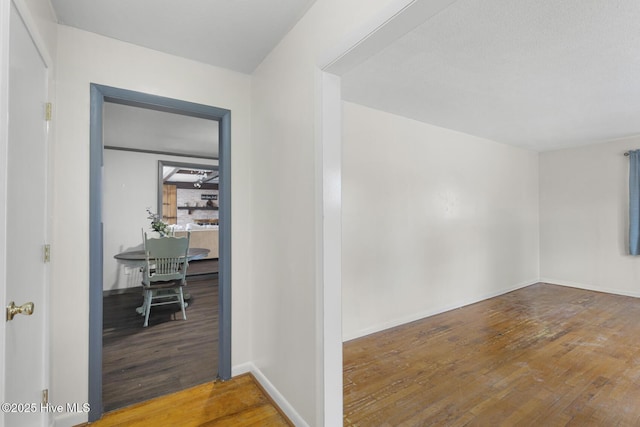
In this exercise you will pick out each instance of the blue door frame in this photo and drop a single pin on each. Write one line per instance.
(100, 94)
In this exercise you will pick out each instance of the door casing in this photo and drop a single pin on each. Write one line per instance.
(100, 94)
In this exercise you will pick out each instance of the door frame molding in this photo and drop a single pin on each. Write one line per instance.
(100, 94)
(5, 12)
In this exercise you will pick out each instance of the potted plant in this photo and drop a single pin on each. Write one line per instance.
(157, 224)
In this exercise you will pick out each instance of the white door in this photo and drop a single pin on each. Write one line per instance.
(26, 272)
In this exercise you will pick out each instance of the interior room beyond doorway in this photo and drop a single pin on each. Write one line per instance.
(142, 363)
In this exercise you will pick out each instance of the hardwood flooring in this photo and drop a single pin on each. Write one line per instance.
(239, 402)
(203, 266)
(540, 356)
(169, 355)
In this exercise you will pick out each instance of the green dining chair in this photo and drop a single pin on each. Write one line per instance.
(165, 273)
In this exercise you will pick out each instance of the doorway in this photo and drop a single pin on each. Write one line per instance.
(100, 95)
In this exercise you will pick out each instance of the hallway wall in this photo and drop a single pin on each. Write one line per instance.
(85, 58)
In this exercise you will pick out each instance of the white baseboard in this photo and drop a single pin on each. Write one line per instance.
(273, 392)
(608, 290)
(422, 314)
(74, 419)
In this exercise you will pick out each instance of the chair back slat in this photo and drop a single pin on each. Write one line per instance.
(165, 272)
(166, 258)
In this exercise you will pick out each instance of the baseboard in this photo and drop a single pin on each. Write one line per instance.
(571, 284)
(423, 314)
(134, 289)
(80, 419)
(272, 391)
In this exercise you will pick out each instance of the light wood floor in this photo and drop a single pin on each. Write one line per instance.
(239, 402)
(541, 356)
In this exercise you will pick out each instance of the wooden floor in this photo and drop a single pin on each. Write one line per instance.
(541, 356)
(239, 402)
(204, 266)
(167, 356)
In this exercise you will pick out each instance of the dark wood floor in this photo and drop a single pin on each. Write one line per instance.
(167, 356)
(204, 266)
(541, 356)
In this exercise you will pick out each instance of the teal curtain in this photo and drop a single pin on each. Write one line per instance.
(634, 202)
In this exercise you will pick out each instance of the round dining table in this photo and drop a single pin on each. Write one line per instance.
(139, 255)
(138, 258)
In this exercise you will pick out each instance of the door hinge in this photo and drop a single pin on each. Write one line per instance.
(45, 396)
(48, 111)
(47, 253)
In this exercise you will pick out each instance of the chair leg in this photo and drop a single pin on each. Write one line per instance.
(147, 307)
(184, 313)
(143, 307)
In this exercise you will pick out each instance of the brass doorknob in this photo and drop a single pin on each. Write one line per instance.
(12, 310)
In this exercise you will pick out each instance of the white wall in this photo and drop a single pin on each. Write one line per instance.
(85, 58)
(44, 18)
(584, 218)
(432, 219)
(287, 303)
(130, 186)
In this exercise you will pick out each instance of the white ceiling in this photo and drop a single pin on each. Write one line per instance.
(233, 34)
(540, 74)
(144, 129)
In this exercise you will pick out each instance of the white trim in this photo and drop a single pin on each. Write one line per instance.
(423, 314)
(395, 20)
(571, 284)
(347, 48)
(320, 283)
(272, 391)
(392, 21)
(329, 218)
(5, 13)
(242, 368)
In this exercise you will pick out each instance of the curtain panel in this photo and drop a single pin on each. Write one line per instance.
(634, 202)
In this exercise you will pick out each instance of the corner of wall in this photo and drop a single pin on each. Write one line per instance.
(272, 391)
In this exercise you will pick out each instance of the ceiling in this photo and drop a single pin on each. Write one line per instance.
(198, 176)
(151, 130)
(539, 74)
(233, 34)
